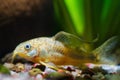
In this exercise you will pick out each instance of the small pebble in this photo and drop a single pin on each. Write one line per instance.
(34, 72)
(49, 70)
(39, 77)
(9, 65)
(76, 73)
(98, 76)
(19, 67)
(59, 76)
(28, 67)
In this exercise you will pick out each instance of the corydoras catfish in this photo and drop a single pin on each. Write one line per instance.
(63, 49)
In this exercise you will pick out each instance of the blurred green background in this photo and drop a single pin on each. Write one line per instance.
(89, 18)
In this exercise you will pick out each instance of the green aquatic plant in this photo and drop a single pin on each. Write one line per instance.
(4, 70)
(88, 18)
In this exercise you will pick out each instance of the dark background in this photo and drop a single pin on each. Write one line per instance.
(21, 20)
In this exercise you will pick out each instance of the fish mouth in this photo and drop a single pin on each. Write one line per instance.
(23, 55)
(28, 57)
(30, 54)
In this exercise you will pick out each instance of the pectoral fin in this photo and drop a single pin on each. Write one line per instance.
(47, 65)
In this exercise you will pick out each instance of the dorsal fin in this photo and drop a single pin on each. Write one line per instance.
(68, 39)
(74, 43)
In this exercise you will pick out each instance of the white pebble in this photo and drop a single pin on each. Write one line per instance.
(39, 77)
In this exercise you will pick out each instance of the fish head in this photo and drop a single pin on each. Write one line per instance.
(27, 50)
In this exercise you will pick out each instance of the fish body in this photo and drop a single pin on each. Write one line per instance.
(67, 49)
(61, 49)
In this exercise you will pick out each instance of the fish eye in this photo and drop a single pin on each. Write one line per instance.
(27, 46)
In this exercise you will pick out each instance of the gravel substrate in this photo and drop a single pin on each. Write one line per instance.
(20, 71)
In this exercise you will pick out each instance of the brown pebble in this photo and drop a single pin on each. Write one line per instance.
(18, 67)
(34, 72)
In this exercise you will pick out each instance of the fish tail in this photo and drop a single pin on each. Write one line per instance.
(107, 47)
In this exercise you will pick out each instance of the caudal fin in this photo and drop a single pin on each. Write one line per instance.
(105, 51)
